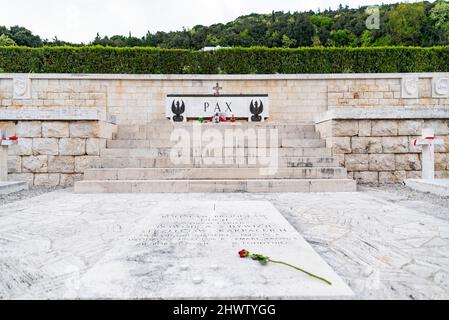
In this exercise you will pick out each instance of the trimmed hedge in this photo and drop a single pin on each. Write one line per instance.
(138, 60)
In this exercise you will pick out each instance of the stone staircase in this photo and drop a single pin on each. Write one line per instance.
(138, 160)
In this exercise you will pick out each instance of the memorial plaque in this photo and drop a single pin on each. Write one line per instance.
(190, 250)
(179, 108)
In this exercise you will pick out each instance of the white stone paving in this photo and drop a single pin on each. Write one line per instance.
(384, 246)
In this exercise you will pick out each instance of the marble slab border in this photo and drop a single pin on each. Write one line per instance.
(383, 113)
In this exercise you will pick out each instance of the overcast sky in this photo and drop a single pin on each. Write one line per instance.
(80, 20)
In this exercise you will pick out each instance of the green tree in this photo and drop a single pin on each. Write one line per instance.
(212, 40)
(439, 15)
(24, 37)
(366, 40)
(302, 31)
(323, 26)
(287, 42)
(421, 24)
(405, 22)
(6, 41)
(316, 42)
(342, 38)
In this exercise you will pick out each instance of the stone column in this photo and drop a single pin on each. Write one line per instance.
(428, 161)
(428, 143)
(3, 162)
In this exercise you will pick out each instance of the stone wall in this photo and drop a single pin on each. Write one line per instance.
(374, 148)
(137, 99)
(381, 150)
(55, 153)
(378, 93)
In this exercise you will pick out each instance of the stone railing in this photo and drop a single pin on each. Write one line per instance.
(55, 146)
(376, 145)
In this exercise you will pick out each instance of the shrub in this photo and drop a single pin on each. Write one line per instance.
(6, 41)
(256, 60)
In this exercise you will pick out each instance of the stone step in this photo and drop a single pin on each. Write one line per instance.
(8, 187)
(162, 135)
(226, 152)
(303, 143)
(208, 186)
(161, 125)
(167, 143)
(149, 131)
(214, 173)
(165, 162)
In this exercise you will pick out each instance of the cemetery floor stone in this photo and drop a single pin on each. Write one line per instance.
(66, 245)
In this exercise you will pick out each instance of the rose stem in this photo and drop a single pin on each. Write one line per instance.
(308, 273)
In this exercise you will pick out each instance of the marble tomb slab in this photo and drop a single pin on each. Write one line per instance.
(189, 250)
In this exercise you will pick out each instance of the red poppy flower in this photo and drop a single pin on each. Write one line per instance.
(243, 253)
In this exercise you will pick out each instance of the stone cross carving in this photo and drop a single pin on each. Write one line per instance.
(428, 142)
(217, 89)
(4, 144)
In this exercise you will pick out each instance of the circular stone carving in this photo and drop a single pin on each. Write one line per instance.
(411, 86)
(442, 86)
(20, 86)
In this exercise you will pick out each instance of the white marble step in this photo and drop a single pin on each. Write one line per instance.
(303, 143)
(166, 142)
(212, 173)
(150, 131)
(166, 134)
(168, 125)
(164, 162)
(226, 152)
(252, 186)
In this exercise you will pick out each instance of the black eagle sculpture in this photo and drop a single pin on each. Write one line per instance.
(256, 108)
(178, 108)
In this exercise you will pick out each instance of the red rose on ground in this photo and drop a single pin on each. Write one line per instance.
(13, 138)
(243, 253)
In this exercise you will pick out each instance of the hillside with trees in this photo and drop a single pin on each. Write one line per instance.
(404, 24)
